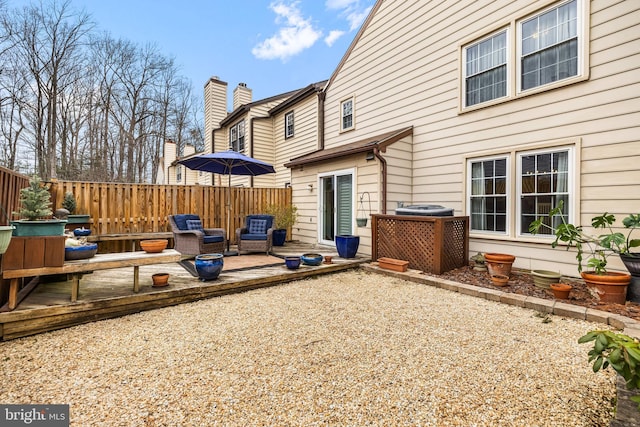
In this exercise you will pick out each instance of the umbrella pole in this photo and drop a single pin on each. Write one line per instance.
(229, 252)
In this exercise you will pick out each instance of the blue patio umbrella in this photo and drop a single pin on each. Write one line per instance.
(228, 163)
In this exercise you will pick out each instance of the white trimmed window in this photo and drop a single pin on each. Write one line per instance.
(488, 195)
(549, 46)
(346, 115)
(485, 69)
(288, 125)
(541, 179)
(526, 56)
(544, 181)
(236, 137)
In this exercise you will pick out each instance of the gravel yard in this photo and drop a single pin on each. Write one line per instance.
(352, 348)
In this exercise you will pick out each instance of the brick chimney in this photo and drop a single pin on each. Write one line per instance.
(241, 95)
(215, 107)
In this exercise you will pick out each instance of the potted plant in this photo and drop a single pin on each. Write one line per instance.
(284, 218)
(610, 286)
(69, 203)
(35, 206)
(622, 353)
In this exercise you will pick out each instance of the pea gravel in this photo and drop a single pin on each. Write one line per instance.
(353, 348)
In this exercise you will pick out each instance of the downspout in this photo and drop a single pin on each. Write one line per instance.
(251, 141)
(383, 167)
(321, 97)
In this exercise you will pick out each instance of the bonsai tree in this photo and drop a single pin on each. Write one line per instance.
(284, 215)
(35, 200)
(69, 202)
(598, 247)
(619, 351)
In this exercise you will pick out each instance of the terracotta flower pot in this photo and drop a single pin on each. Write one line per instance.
(560, 290)
(160, 280)
(500, 279)
(610, 287)
(499, 263)
(153, 246)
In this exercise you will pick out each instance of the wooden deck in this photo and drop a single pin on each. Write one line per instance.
(108, 293)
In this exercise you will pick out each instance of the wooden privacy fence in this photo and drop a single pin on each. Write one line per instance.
(431, 244)
(10, 184)
(144, 208)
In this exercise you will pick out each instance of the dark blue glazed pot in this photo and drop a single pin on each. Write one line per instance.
(292, 262)
(311, 259)
(278, 237)
(347, 245)
(209, 266)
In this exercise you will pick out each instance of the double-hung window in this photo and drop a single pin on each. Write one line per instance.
(544, 182)
(526, 55)
(346, 115)
(488, 196)
(485, 69)
(288, 125)
(540, 180)
(549, 46)
(236, 136)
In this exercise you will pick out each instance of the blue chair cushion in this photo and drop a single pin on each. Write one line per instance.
(194, 224)
(251, 236)
(181, 220)
(258, 226)
(213, 239)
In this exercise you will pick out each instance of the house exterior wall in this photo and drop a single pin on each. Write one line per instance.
(405, 70)
(307, 198)
(304, 140)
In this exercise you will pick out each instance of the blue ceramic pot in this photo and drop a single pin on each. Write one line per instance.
(292, 262)
(209, 266)
(311, 259)
(278, 237)
(347, 245)
(88, 250)
(81, 232)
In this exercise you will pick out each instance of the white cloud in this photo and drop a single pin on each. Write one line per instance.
(296, 35)
(357, 17)
(333, 36)
(351, 10)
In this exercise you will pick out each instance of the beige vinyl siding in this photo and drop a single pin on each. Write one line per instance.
(263, 149)
(304, 140)
(306, 229)
(405, 70)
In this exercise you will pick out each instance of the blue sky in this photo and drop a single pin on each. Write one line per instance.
(273, 46)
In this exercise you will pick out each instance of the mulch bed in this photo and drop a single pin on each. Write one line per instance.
(521, 283)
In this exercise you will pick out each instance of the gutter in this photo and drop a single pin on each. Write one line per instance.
(321, 96)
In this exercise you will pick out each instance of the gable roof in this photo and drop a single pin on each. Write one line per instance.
(299, 95)
(379, 141)
(245, 108)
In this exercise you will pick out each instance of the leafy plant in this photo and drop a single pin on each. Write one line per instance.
(284, 215)
(69, 202)
(599, 247)
(35, 200)
(619, 351)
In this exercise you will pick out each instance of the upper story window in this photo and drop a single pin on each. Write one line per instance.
(288, 125)
(549, 46)
(236, 136)
(486, 69)
(178, 173)
(528, 55)
(346, 115)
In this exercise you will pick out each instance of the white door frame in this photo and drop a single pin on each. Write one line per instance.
(321, 219)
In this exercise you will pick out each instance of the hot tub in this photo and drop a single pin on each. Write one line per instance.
(425, 210)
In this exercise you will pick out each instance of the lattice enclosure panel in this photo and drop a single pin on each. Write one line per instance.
(430, 244)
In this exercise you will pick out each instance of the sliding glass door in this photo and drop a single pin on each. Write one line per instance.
(335, 205)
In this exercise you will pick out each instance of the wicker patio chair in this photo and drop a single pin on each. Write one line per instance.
(192, 239)
(256, 235)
